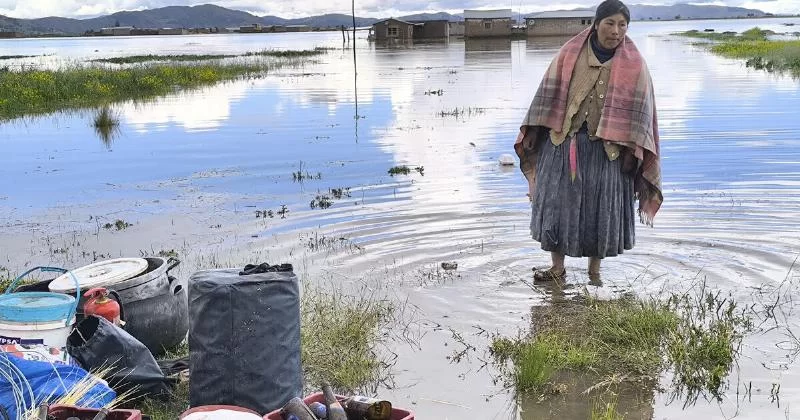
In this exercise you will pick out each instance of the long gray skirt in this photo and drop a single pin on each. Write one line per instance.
(592, 216)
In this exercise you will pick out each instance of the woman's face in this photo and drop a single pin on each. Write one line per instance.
(611, 31)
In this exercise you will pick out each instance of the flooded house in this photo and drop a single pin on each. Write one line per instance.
(488, 23)
(562, 23)
(431, 29)
(401, 30)
(456, 28)
(250, 29)
(298, 28)
(117, 31)
(393, 30)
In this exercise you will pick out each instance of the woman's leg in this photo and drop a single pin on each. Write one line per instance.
(594, 266)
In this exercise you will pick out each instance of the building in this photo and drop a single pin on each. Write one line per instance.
(144, 31)
(250, 29)
(393, 30)
(431, 29)
(456, 28)
(173, 31)
(558, 23)
(488, 23)
(298, 28)
(11, 34)
(117, 30)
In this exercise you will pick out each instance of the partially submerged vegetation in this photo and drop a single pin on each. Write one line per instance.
(135, 59)
(756, 48)
(405, 170)
(696, 338)
(36, 92)
(106, 124)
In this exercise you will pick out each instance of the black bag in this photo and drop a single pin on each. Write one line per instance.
(96, 344)
(244, 337)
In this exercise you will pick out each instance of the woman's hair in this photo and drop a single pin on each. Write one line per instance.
(611, 8)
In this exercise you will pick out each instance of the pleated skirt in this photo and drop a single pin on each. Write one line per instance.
(590, 216)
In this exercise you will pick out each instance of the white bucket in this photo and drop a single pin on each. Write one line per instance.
(50, 334)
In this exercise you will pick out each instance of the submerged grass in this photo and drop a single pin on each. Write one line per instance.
(696, 338)
(756, 48)
(135, 59)
(36, 92)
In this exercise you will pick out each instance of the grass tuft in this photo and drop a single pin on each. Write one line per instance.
(695, 337)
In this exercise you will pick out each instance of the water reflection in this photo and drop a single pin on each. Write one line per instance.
(106, 125)
(487, 44)
(584, 394)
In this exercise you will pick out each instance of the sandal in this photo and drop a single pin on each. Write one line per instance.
(549, 275)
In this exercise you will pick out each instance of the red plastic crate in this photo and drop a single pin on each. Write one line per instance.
(63, 412)
(397, 413)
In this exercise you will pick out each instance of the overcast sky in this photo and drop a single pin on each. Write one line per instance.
(364, 8)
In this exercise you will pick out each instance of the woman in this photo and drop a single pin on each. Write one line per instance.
(589, 146)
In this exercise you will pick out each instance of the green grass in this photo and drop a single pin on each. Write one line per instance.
(339, 336)
(133, 59)
(753, 46)
(288, 53)
(695, 337)
(602, 410)
(36, 92)
(11, 57)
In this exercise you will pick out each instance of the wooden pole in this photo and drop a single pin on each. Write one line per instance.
(355, 64)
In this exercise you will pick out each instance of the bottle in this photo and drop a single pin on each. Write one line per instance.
(296, 409)
(319, 410)
(335, 409)
(364, 408)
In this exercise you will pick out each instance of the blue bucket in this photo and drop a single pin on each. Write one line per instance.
(38, 307)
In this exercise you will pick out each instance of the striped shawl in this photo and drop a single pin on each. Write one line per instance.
(628, 118)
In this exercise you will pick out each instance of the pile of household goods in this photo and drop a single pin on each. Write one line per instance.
(82, 344)
(252, 366)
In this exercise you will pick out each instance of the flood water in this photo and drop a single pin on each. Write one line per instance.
(190, 170)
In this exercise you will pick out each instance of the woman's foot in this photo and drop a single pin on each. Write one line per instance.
(551, 274)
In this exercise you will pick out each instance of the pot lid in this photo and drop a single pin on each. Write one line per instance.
(100, 274)
(35, 307)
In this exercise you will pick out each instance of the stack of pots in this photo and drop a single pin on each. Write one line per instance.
(154, 303)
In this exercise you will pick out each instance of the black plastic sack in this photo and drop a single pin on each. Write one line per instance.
(244, 337)
(97, 344)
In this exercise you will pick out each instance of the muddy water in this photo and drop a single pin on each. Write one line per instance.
(191, 170)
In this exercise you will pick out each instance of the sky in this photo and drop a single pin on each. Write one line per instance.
(364, 8)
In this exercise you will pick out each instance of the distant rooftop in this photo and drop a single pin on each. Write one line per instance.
(562, 14)
(488, 14)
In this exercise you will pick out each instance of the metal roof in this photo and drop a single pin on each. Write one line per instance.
(398, 20)
(488, 14)
(564, 14)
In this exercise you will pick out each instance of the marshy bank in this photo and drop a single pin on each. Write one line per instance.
(31, 92)
(758, 47)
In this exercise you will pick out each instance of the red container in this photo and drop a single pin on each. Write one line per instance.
(210, 408)
(397, 413)
(63, 412)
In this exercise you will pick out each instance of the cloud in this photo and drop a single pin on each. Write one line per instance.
(300, 8)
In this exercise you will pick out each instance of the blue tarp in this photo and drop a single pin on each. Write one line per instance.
(22, 381)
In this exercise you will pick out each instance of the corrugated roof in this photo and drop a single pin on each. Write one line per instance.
(562, 14)
(397, 20)
(488, 14)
